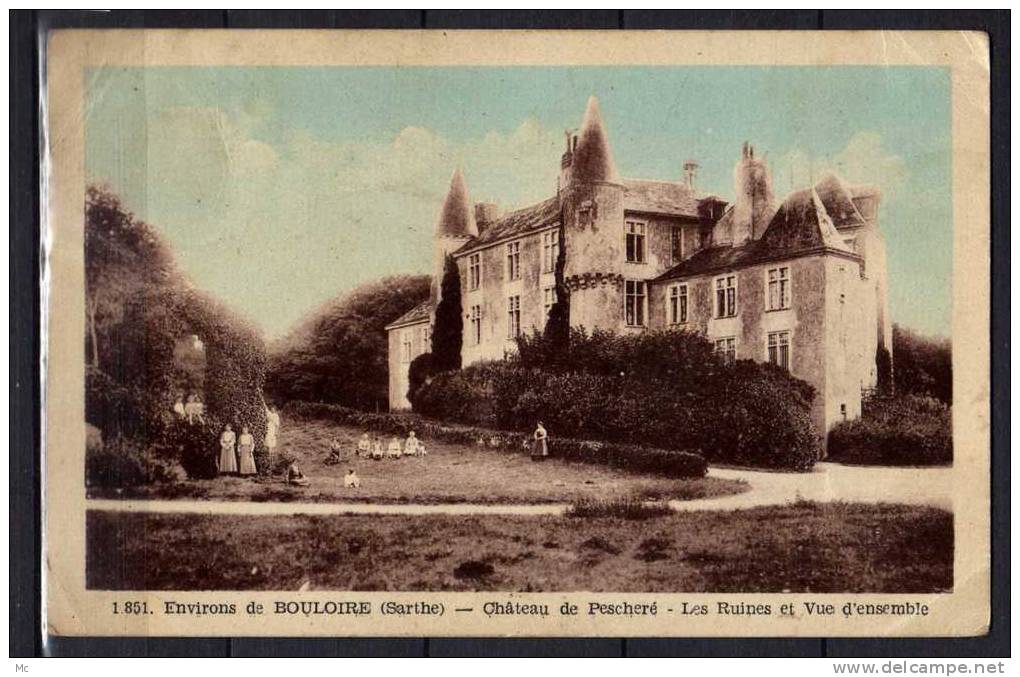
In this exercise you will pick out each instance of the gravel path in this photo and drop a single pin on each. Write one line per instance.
(828, 482)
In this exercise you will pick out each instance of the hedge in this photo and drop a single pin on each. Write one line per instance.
(666, 390)
(895, 430)
(630, 457)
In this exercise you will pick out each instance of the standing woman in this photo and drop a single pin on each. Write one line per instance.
(228, 462)
(246, 451)
(540, 447)
(272, 427)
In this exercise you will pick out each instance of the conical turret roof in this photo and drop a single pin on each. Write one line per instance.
(456, 219)
(593, 159)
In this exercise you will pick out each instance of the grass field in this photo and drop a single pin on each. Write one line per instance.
(830, 547)
(450, 473)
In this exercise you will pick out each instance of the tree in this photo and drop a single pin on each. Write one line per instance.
(448, 335)
(339, 352)
(922, 365)
(124, 258)
(557, 325)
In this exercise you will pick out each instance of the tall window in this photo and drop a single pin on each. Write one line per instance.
(779, 348)
(727, 348)
(634, 305)
(474, 271)
(513, 317)
(550, 250)
(676, 244)
(726, 296)
(677, 307)
(476, 324)
(426, 336)
(513, 261)
(405, 345)
(779, 288)
(548, 299)
(635, 241)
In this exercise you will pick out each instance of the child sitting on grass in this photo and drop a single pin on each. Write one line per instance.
(351, 479)
(295, 476)
(335, 452)
(377, 450)
(364, 446)
(394, 448)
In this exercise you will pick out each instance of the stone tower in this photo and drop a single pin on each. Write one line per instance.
(456, 225)
(591, 200)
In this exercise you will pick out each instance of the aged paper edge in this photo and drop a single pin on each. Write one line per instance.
(70, 609)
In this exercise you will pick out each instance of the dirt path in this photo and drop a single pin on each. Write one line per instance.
(832, 482)
(828, 482)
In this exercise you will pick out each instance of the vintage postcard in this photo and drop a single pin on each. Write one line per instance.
(516, 333)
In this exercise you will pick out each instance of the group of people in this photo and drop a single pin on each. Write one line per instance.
(373, 448)
(192, 411)
(237, 454)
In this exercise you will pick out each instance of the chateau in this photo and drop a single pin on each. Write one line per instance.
(800, 283)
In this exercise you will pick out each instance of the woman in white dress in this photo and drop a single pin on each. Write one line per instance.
(540, 445)
(246, 451)
(228, 460)
(394, 448)
(272, 428)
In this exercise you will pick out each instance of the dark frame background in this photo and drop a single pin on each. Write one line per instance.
(26, 27)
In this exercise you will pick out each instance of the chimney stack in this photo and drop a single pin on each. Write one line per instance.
(753, 203)
(690, 173)
(485, 214)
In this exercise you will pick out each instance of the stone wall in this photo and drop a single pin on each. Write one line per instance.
(397, 365)
(493, 295)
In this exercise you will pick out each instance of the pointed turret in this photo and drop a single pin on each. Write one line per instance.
(456, 219)
(592, 159)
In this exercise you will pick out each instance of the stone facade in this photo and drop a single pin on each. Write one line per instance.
(801, 283)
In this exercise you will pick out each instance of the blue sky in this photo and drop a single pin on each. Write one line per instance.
(282, 187)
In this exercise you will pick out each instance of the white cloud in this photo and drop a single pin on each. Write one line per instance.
(276, 229)
(863, 160)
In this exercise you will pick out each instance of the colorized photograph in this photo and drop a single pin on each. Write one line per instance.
(519, 328)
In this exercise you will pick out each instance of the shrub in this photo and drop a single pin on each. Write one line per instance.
(419, 371)
(634, 458)
(119, 463)
(896, 430)
(666, 390)
(621, 508)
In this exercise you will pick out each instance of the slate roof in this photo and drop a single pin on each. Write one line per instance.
(415, 315)
(838, 200)
(801, 224)
(516, 223)
(672, 198)
(456, 218)
(593, 159)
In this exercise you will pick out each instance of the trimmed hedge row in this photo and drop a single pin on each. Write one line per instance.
(895, 430)
(629, 457)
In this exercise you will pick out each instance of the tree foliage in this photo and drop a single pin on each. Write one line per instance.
(448, 335)
(339, 352)
(922, 365)
(557, 325)
(139, 307)
(666, 389)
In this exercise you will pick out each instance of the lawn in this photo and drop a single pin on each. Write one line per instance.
(816, 547)
(451, 473)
